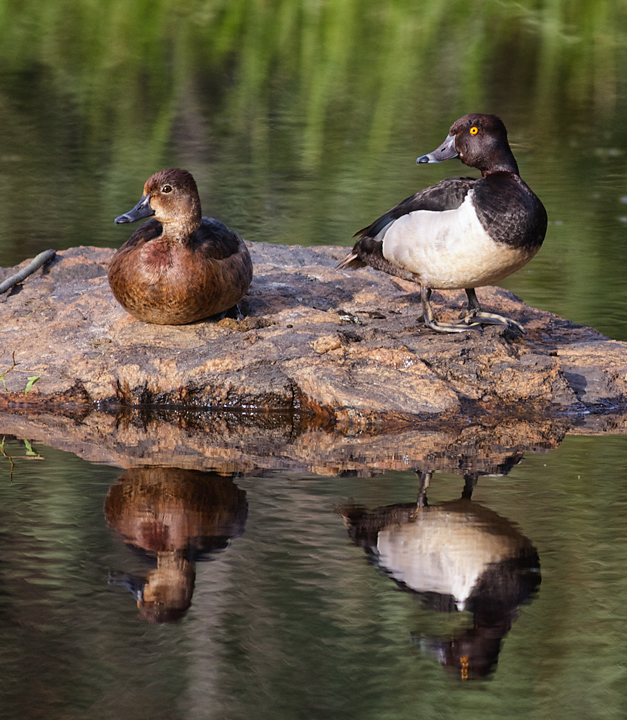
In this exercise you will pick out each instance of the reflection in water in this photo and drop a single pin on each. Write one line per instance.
(178, 516)
(458, 556)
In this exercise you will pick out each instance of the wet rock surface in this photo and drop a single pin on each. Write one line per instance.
(258, 443)
(346, 348)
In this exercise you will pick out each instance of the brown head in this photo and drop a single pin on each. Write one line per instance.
(479, 141)
(171, 196)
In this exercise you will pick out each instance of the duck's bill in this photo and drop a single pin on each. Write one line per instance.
(133, 583)
(446, 151)
(141, 210)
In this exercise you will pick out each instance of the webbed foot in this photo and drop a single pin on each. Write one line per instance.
(479, 317)
(475, 313)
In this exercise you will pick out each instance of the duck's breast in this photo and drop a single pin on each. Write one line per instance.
(446, 551)
(451, 249)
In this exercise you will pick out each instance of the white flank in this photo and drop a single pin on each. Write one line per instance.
(450, 249)
(443, 552)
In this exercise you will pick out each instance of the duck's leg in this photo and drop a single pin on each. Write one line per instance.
(236, 312)
(430, 321)
(475, 313)
(470, 480)
(233, 312)
(425, 479)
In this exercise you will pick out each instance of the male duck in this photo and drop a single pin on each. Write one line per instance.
(179, 266)
(462, 232)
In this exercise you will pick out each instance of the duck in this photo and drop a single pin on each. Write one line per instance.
(454, 556)
(462, 233)
(178, 267)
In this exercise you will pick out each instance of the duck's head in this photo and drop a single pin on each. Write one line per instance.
(171, 196)
(479, 141)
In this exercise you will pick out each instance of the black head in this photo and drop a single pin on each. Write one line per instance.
(480, 141)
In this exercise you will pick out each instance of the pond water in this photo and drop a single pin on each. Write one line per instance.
(277, 610)
(166, 593)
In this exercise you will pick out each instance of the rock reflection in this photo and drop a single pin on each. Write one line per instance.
(178, 517)
(457, 556)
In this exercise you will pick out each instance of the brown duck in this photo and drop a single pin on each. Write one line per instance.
(178, 266)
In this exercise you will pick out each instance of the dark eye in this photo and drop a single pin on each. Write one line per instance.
(166, 189)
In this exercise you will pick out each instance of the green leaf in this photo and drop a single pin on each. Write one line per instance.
(31, 381)
(29, 449)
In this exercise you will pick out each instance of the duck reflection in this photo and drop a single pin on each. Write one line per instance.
(457, 556)
(178, 517)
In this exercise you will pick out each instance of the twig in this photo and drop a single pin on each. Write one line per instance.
(33, 265)
(2, 375)
(8, 457)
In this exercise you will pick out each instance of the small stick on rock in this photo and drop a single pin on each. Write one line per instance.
(35, 264)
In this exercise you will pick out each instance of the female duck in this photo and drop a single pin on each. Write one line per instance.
(462, 232)
(179, 266)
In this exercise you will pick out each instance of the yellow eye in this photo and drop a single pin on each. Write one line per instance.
(474, 130)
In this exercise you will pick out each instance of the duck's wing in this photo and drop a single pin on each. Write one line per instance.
(368, 250)
(216, 241)
(228, 259)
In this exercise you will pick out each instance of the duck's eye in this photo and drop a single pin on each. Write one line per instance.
(474, 130)
(166, 189)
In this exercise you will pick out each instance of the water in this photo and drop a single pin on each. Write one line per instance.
(301, 122)
(290, 618)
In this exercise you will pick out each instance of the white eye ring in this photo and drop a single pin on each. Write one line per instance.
(166, 189)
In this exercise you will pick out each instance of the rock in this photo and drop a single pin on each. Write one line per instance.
(337, 347)
(258, 442)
